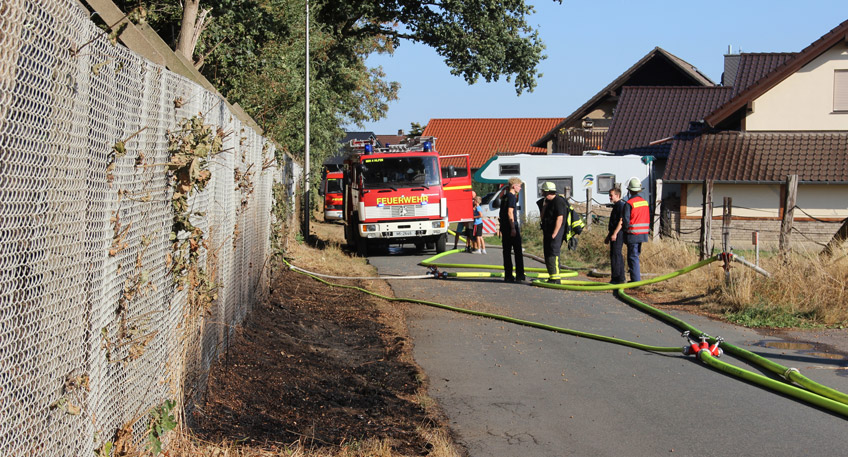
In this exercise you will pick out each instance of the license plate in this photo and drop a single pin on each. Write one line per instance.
(404, 233)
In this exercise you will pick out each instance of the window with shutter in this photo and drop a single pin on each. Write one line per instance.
(840, 90)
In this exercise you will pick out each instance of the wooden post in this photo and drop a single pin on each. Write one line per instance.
(588, 208)
(788, 212)
(706, 219)
(725, 235)
(655, 222)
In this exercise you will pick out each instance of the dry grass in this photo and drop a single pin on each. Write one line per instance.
(185, 445)
(804, 289)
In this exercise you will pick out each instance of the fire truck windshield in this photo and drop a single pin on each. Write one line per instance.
(394, 172)
(334, 186)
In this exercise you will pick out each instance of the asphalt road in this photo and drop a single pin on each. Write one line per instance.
(510, 390)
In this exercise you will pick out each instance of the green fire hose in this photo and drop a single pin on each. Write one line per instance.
(498, 317)
(824, 393)
(790, 374)
(816, 394)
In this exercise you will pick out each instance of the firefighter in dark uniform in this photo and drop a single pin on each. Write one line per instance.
(553, 209)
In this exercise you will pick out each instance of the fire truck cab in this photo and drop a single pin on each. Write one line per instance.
(331, 190)
(403, 194)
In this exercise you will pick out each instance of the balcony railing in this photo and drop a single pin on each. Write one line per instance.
(576, 141)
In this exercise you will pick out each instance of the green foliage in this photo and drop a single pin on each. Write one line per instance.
(105, 450)
(162, 421)
(415, 129)
(773, 317)
(478, 39)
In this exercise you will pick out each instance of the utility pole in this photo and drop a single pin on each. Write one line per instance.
(307, 203)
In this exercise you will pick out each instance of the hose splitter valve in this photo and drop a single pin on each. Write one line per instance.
(436, 273)
(695, 347)
(726, 257)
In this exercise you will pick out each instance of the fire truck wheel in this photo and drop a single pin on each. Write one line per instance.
(362, 247)
(441, 243)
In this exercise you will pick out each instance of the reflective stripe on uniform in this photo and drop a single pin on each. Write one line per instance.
(640, 219)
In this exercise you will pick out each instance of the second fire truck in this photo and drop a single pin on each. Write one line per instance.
(403, 194)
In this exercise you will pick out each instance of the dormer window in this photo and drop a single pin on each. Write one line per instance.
(840, 90)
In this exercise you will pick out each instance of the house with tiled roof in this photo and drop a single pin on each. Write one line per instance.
(585, 128)
(648, 117)
(788, 116)
(386, 140)
(482, 138)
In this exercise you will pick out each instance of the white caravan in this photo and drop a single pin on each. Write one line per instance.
(596, 170)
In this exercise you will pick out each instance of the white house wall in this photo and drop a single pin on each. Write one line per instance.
(749, 200)
(803, 101)
(822, 201)
(763, 201)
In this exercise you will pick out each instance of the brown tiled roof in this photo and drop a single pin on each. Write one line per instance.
(755, 66)
(780, 73)
(630, 77)
(390, 139)
(648, 114)
(730, 156)
(483, 138)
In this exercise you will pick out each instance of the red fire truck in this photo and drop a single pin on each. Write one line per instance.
(403, 194)
(331, 189)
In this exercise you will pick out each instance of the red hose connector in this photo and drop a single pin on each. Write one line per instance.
(694, 347)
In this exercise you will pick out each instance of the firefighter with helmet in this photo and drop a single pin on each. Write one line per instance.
(636, 224)
(574, 225)
(553, 209)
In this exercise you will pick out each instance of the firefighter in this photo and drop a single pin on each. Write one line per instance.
(573, 226)
(553, 209)
(511, 232)
(636, 225)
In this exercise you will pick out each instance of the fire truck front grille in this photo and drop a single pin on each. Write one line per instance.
(403, 211)
(408, 210)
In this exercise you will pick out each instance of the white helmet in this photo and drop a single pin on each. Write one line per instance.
(548, 187)
(634, 185)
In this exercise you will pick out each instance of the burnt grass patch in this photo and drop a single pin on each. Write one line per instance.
(315, 365)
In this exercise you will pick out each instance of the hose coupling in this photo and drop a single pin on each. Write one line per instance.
(694, 347)
(789, 371)
(436, 273)
(726, 257)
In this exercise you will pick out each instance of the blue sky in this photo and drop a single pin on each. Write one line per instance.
(590, 43)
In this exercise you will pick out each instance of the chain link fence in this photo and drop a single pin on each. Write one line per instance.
(94, 332)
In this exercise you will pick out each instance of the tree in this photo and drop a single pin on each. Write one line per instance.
(481, 38)
(415, 129)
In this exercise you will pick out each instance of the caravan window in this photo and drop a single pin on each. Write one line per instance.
(510, 169)
(561, 183)
(606, 182)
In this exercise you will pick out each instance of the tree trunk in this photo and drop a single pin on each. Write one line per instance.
(706, 244)
(188, 29)
(788, 212)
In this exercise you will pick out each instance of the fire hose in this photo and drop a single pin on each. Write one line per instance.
(706, 350)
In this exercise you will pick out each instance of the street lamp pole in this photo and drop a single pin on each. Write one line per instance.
(306, 182)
